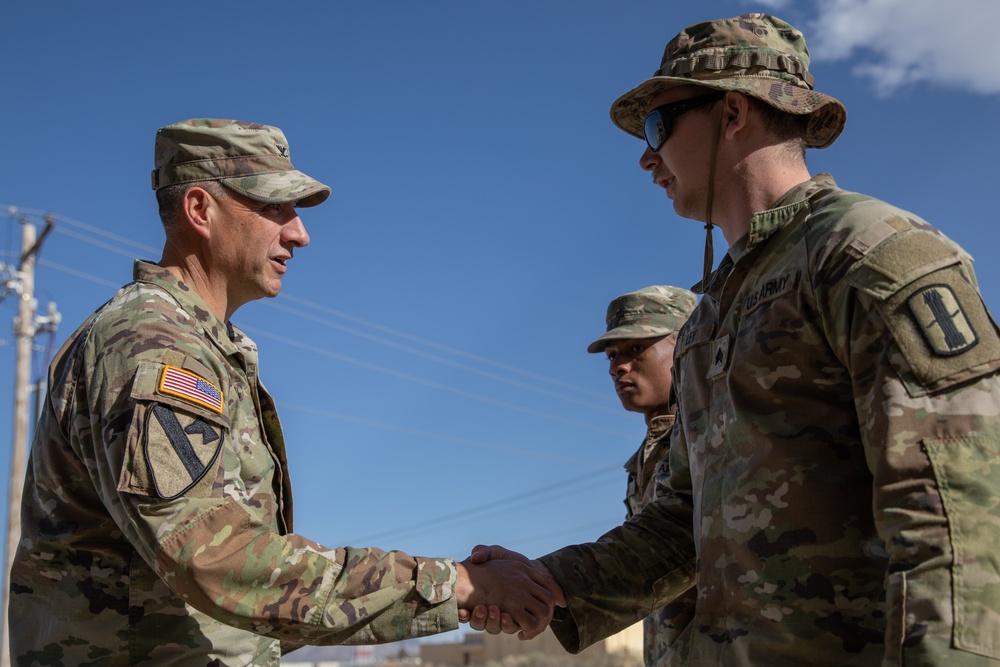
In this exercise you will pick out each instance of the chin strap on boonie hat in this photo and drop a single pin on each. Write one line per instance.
(710, 197)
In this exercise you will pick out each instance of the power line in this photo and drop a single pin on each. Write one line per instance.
(603, 526)
(445, 348)
(502, 505)
(464, 442)
(79, 274)
(439, 359)
(428, 383)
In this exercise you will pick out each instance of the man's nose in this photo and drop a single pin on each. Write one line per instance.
(294, 232)
(649, 160)
(618, 367)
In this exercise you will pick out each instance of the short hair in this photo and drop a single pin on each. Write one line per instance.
(787, 128)
(170, 198)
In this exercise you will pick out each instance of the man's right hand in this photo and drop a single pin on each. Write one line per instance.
(500, 590)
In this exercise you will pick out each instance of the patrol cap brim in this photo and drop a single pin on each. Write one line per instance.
(280, 187)
(627, 332)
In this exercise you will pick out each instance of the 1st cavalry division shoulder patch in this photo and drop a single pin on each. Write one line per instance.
(942, 321)
(179, 448)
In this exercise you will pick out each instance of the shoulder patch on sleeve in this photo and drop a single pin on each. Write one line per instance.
(179, 448)
(943, 330)
(184, 384)
(941, 319)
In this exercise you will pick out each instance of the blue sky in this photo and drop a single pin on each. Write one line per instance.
(428, 350)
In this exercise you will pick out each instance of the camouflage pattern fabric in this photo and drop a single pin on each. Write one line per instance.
(250, 158)
(756, 54)
(836, 466)
(660, 629)
(657, 310)
(157, 515)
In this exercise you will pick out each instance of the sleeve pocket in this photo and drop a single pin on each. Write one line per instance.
(968, 473)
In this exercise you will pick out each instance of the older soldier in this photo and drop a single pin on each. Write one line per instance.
(836, 465)
(639, 344)
(157, 524)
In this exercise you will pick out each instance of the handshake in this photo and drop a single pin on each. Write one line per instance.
(499, 590)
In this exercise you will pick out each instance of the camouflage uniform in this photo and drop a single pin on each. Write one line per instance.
(835, 470)
(157, 511)
(835, 466)
(651, 312)
(132, 555)
(660, 629)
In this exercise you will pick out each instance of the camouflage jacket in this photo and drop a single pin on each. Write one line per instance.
(661, 628)
(156, 518)
(836, 468)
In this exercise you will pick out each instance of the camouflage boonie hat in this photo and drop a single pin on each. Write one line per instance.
(653, 311)
(250, 158)
(756, 54)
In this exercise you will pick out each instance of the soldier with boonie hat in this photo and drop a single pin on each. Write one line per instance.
(834, 457)
(758, 55)
(156, 525)
(642, 328)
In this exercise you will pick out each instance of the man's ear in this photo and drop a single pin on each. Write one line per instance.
(199, 207)
(735, 112)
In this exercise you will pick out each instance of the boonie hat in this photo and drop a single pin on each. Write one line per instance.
(756, 54)
(653, 311)
(250, 158)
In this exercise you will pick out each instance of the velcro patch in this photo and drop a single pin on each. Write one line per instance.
(720, 357)
(184, 384)
(943, 330)
(942, 320)
(179, 448)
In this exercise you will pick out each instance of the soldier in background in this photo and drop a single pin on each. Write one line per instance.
(156, 516)
(639, 343)
(835, 467)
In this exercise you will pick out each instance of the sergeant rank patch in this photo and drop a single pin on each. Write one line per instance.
(941, 319)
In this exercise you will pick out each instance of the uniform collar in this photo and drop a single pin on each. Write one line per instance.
(223, 333)
(659, 425)
(764, 224)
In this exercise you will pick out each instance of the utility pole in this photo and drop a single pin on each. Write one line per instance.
(25, 329)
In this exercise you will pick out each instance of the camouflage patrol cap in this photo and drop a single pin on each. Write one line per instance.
(756, 54)
(250, 158)
(653, 311)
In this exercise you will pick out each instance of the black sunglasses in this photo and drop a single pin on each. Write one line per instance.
(656, 128)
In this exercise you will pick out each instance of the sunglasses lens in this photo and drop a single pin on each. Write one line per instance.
(656, 128)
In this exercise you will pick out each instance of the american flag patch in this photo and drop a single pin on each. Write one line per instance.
(184, 384)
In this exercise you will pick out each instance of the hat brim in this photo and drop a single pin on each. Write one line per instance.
(827, 115)
(628, 332)
(280, 187)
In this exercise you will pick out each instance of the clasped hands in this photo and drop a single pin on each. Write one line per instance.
(499, 590)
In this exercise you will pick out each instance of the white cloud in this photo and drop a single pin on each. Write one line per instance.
(898, 43)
